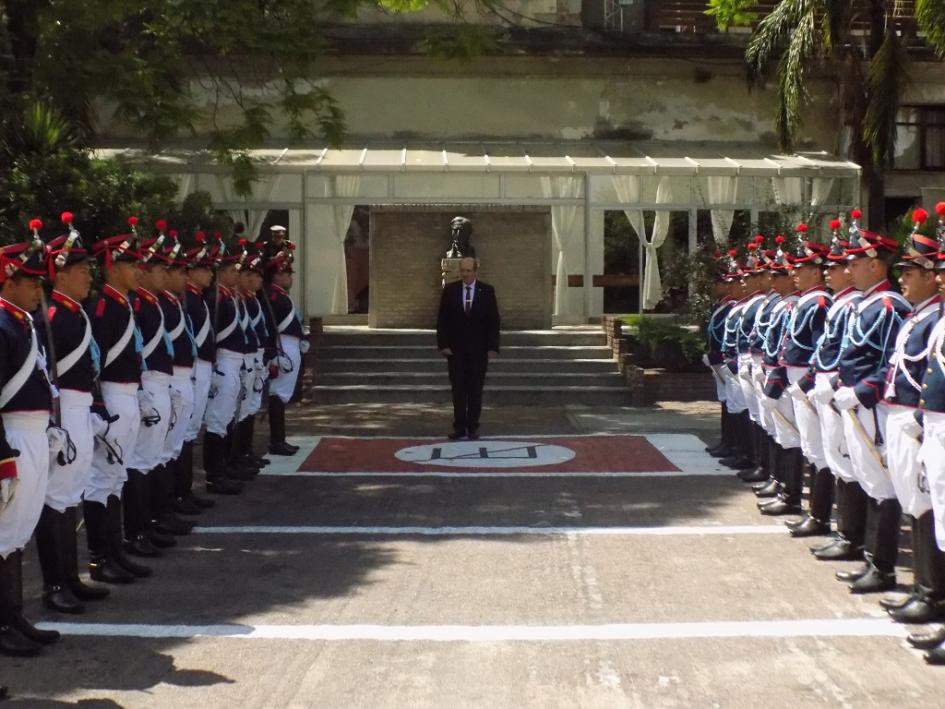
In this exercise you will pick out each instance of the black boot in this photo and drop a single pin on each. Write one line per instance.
(235, 468)
(926, 603)
(927, 640)
(27, 629)
(214, 465)
(792, 475)
(136, 500)
(12, 641)
(817, 521)
(277, 442)
(116, 543)
(80, 590)
(852, 503)
(162, 503)
(183, 502)
(259, 461)
(882, 534)
(186, 465)
(50, 540)
(103, 566)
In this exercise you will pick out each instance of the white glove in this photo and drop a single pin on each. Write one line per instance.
(99, 425)
(706, 362)
(744, 370)
(304, 346)
(58, 440)
(822, 393)
(177, 399)
(796, 393)
(912, 428)
(7, 491)
(845, 398)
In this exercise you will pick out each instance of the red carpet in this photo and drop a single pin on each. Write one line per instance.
(590, 454)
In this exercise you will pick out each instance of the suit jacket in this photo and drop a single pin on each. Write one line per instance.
(474, 334)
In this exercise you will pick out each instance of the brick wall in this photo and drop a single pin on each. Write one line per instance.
(513, 245)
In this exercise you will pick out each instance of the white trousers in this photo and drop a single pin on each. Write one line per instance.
(734, 398)
(203, 371)
(902, 457)
(247, 382)
(182, 402)
(785, 427)
(932, 455)
(864, 451)
(148, 450)
(224, 397)
(808, 423)
(283, 385)
(68, 482)
(834, 443)
(109, 474)
(749, 397)
(26, 432)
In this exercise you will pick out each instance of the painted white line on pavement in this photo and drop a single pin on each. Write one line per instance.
(522, 475)
(836, 628)
(481, 531)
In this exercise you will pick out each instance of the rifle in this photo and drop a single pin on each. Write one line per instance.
(68, 454)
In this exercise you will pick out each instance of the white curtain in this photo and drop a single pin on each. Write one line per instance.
(341, 186)
(722, 191)
(627, 188)
(788, 190)
(563, 223)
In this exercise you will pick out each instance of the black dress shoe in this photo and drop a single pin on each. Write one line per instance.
(737, 462)
(15, 644)
(222, 486)
(141, 545)
(918, 610)
(61, 599)
(106, 569)
(935, 656)
(186, 506)
(852, 574)
(768, 490)
(824, 545)
(722, 452)
(170, 523)
(781, 507)
(841, 550)
(473, 436)
(926, 641)
(161, 539)
(456, 435)
(202, 502)
(31, 632)
(138, 570)
(809, 527)
(874, 581)
(84, 592)
(282, 449)
(754, 475)
(895, 602)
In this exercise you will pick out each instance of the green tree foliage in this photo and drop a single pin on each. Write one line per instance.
(799, 36)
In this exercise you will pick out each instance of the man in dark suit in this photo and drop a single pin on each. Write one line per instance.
(467, 334)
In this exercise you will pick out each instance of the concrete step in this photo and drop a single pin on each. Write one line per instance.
(493, 394)
(418, 338)
(424, 364)
(523, 379)
(386, 352)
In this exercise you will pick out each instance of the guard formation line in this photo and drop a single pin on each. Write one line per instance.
(824, 370)
(103, 397)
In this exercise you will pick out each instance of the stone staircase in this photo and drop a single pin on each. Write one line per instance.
(547, 367)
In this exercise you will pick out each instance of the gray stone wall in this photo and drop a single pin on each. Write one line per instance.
(513, 245)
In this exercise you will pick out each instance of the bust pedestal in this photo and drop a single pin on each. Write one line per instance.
(449, 270)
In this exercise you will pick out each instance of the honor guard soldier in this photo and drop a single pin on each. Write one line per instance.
(147, 528)
(786, 473)
(177, 496)
(77, 364)
(199, 277)
(932, 454)
(714, 358)
(737, 410)
(806, 327)
(285, 324)
(226, 383)
(257, 337)
(903, 432)
(817, 384)
(859, 388)
(119, 342)
(25, 407)
(745, 322)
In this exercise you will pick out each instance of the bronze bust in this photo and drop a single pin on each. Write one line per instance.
(460, 232)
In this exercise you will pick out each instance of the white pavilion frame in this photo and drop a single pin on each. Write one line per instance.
(576, 180)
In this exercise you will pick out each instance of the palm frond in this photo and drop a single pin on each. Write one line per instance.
(792, 78)
(886, 79)
(930, 16)
(773, 34)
